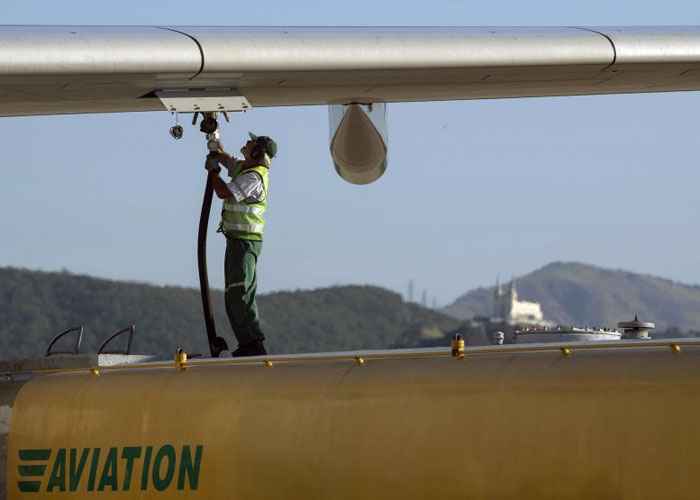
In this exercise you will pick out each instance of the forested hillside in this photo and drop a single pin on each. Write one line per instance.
(34, 306)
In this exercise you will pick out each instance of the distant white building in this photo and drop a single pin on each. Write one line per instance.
(508, 307)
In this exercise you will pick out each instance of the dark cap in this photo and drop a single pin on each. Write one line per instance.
(268, 145)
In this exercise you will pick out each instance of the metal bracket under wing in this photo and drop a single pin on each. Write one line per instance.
(201, 100)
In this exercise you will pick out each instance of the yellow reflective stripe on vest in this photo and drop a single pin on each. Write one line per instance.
(246, 209)
(243, 228)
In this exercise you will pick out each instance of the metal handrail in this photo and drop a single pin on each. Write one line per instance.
(130, 329)
(78, 341)
(429, 352)
(395, 354)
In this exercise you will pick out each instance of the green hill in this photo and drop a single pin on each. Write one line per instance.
(35, 306)
(580, 294)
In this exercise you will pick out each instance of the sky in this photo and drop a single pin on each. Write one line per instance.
(474, 189)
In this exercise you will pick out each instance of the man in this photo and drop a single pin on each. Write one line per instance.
(245, 201)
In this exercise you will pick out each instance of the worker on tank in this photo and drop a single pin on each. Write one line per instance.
(242, 223)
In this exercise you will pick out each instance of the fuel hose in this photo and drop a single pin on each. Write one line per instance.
(216, 343)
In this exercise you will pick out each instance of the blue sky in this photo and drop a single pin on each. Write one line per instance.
(473, 189)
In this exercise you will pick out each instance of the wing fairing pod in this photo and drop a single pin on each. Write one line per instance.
(359, 141)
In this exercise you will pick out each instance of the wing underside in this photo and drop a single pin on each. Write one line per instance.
(82, 69)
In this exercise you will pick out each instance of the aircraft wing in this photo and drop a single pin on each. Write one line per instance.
(81, 69)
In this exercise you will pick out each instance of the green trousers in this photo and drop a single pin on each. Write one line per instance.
(241, 285)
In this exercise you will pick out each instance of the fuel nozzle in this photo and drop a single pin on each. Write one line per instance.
(210, 126)
(213, 142)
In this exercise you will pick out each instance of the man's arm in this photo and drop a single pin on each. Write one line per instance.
(225, 159)
(220, 188)
(247, 186)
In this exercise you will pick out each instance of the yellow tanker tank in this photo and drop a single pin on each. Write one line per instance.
(510, 422)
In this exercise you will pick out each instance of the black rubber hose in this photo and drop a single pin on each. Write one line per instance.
(216, 343)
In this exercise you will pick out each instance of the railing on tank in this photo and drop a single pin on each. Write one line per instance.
(127, 350)
(76, 346)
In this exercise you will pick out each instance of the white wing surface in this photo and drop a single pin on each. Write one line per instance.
(79, 69)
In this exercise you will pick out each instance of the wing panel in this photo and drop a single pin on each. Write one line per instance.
(237, 50)
(75, 69)
(84, 51)
(320, 66)
(341, 87)
(653, 59)
(78, 69)
(655, 45)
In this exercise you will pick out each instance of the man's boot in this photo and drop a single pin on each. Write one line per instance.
(255, 348)
(258, 346)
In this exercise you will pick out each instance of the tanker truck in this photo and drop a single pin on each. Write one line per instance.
(608, 420)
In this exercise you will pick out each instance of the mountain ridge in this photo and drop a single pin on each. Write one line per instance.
(583, 294)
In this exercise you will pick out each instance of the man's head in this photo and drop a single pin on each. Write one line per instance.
(259, 148)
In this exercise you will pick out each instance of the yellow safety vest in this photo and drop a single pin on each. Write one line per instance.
(245, 220)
